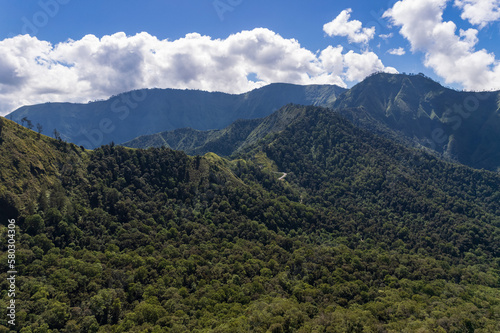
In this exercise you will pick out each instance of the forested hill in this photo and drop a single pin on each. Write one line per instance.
(412, 109)
(132, 114)
(384, 188)
(362, 235)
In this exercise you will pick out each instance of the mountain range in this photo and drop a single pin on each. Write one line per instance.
(240, 134)
(411, 109)
(129, 115)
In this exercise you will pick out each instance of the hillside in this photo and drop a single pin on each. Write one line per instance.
(30, 163)
(369, 178)
(132, 114)
(225, 142)
(361, 235)
(463, 126)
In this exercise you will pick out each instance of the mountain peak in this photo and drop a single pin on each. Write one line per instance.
(419, 80)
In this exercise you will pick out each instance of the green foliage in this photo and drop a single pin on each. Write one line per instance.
(34, 224)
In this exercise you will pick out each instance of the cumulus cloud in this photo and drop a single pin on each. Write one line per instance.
(386, 36)
(479, 12)
(353, 66)
(35, 71)
(399, 51)
(451, 55)
(360, 65)
(353, 30)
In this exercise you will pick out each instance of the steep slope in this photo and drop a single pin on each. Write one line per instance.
(410, 109)
(31, 163)
(369, 178)
(129, 115)
(194, 142)
(225, 142)
(463, 126)
(362, 235)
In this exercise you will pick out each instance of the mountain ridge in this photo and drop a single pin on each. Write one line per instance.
(412, 109)
(228, 141)
(126, 116)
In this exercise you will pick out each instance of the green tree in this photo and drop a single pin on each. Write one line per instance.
(56, 315)
(34, 224)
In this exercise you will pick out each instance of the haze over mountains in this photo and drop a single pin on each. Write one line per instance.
(129, 115)
(462, 126)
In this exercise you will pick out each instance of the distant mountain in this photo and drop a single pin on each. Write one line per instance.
(225, 142)
(463, 126)
(132, 114)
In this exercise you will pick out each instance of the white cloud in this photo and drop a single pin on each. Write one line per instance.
(34, 71)
(353, 30)
(360, 65)
(352, 66)
(399, 51)
(332, 59)
(451, 56)
(479, 12)
(386, 36)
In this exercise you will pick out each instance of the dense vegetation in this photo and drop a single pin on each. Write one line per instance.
(362, 235)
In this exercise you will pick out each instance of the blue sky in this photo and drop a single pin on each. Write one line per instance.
(73, 50)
